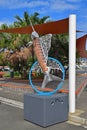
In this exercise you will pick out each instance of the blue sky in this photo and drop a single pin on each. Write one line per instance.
(56, 9)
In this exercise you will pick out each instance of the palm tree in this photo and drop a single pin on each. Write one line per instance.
(26, 20)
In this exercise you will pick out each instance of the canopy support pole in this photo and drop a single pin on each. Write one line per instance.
(72, 62)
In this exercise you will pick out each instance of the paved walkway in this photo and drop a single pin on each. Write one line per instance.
(11, 118)
(15, 115)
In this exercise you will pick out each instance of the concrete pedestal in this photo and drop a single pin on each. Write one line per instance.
(46, 110)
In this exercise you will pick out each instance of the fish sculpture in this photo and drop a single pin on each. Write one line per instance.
(41, 48)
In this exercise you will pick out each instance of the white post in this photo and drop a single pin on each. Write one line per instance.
(72, 61)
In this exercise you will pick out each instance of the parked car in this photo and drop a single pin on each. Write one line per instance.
(4, 68)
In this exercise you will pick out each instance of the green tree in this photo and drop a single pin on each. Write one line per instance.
(25, 21)
(2, 60)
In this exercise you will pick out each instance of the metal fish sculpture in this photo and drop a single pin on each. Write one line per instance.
(41, 48)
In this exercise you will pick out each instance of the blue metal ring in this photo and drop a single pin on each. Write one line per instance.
(59, 85)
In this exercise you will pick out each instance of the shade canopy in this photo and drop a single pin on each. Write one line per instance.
(57, 27)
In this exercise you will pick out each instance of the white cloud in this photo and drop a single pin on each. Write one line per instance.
(62, 5)
(5, 22)
(14, 4)
(50, 4)
(74, 0)
(54, 5)
(1, 23)
(38, 3)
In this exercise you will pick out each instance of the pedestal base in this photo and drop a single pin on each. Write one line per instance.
(46, 110)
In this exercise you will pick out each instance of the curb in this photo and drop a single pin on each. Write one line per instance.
(12, 102)
(78, 120)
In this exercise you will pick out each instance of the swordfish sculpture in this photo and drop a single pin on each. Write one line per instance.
(41, 48)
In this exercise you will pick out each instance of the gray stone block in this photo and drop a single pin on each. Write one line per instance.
(46, 110)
